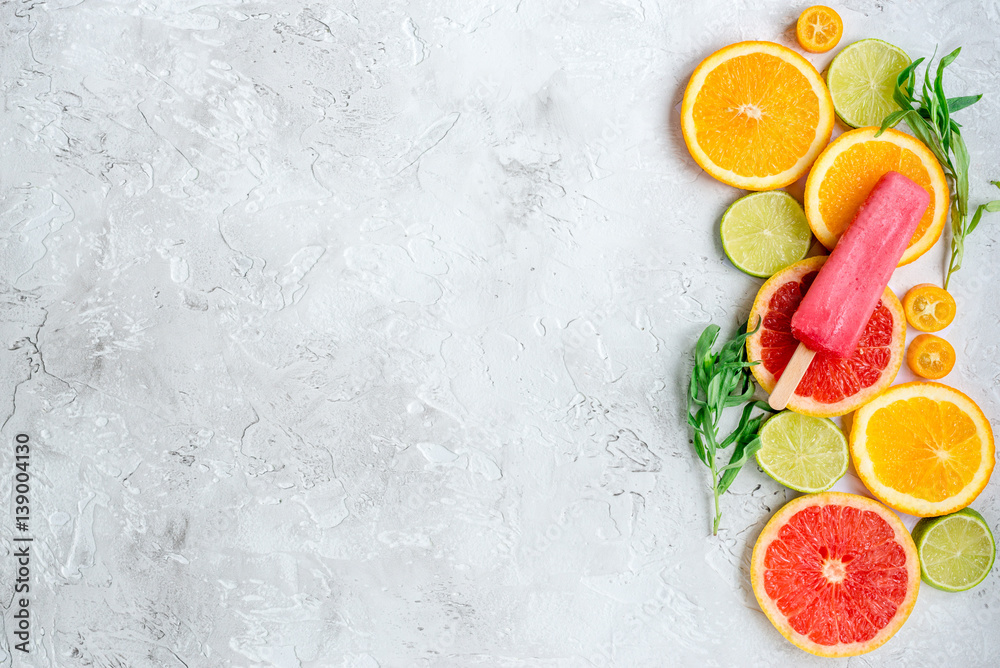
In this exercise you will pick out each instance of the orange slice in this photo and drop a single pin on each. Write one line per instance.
(923, 448)
(848, 169)
(930, 357)
(819, 29)
(928, 307)
(755, 115)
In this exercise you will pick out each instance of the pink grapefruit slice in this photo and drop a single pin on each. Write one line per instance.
(833, 385)
(837, 574)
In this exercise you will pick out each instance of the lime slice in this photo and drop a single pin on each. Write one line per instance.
(956, 551)
(862, 79)
(765, 232)
(807, 454)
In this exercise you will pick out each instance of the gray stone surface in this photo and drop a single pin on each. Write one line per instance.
(356, 333)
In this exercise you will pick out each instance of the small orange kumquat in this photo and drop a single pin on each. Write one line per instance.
(819, 29)
(930, 356)
(928, 308)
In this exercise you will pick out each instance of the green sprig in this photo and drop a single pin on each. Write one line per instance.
(930, 120)
(719, 381)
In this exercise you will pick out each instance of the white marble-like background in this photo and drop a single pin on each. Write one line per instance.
(357, 333)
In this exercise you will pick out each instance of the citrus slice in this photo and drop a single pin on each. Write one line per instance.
(923, 448)
(832, 385)
(930, 356)
(846, 172)
(755, 115)
(929, 308)
(956, 551)
(862, 80)
(807, 454)
(837, 574)
(819, 29)
(765, 232)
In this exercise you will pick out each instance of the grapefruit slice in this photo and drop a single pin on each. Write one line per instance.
(837, 574)
(833, 385)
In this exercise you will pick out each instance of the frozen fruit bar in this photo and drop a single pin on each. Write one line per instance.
(834, 312)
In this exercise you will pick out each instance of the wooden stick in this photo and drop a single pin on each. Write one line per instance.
(790, 377)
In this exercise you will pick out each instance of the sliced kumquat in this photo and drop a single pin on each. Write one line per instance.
(929, 308)
(819, 29)
(930, 357)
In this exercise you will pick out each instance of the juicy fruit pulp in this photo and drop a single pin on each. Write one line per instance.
(923, 448)
(929, 308)
(804, 453)
(956, 551)
(832, 385)
(765, 232)
(755, 115)
(848, 169)
(930, 357)
(819, 29)
(836, 573)
(862, 79)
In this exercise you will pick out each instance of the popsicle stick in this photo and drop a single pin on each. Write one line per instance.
(790, 377)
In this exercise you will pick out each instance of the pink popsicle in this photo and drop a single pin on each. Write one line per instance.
(836, 309)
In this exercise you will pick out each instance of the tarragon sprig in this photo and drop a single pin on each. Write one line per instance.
(929, 118)
(719, 381)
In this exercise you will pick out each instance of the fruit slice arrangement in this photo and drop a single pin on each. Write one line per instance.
(837, 574)
(832, 386)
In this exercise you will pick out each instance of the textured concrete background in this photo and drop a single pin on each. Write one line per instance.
(356, 333)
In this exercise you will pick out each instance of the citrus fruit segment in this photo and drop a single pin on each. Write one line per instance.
(819, 29)
(832, 385)
(923, 448)
(930, 357)
(848, 169)
(807, 454)
(929, 308)
(862, 80)
(765, 232)
(956, 551)
(837, 574)
(755, 115)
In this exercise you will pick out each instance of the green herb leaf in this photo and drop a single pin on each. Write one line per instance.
(891, 121)
(959, 103)
(931, 122)
(720, 381)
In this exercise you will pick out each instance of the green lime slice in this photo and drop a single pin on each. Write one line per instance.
(956, 551)
(807, 454)
(862, 79)
(765, 232)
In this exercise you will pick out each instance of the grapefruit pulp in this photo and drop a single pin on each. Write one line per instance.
(833, 385)
(837, 574)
